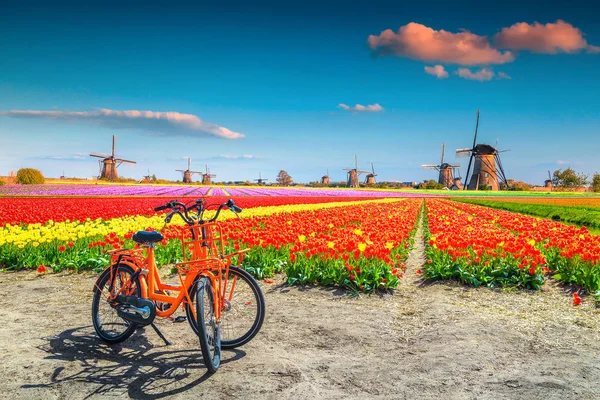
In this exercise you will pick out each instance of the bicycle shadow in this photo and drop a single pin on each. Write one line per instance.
(128, 368)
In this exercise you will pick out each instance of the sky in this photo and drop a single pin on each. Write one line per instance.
(299, 86)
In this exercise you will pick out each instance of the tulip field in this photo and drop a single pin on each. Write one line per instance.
(483, 246)
(356, 239)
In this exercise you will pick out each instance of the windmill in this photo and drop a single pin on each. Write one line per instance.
(206, 178)
(260, 179)
(548, 182)
(187, 174)
(146, 178)
(354, 173)
(446, 171)
(62, 177)
(487, 169)
(109, 164)
(325, 178)
(370, 179)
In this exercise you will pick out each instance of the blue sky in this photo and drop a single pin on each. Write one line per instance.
(276, 74)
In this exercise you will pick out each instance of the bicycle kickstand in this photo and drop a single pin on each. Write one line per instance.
(159, 333)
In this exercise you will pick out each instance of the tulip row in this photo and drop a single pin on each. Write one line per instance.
(476, 252)
(18, 210)
(572, 253)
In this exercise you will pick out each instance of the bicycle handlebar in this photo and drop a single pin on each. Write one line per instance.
(182, 210)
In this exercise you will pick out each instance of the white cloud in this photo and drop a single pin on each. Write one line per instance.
(438, 71)
(360, 108)
(237, 157)
(151, 122)
(483, 74)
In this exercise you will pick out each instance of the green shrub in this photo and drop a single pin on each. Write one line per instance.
(30, 176)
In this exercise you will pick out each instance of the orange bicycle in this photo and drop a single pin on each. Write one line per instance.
(224, 304)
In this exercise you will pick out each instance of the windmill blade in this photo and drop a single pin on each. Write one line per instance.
(189, 163)
(114, 138)
(372, 168)
(443, 151)
(549, 176)
(363, 172)
(429, 166)
(348, 169)
(99, 155)
(196, 172)
(180, 170)
(463, 153)
(503, 151)
(120, 160)
(455, 166)
(501, 169)
(355, 162)
(468, 170)
(476, 130)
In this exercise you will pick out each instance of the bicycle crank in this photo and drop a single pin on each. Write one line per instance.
(136, 309)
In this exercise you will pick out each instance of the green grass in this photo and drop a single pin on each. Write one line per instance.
(587, 217)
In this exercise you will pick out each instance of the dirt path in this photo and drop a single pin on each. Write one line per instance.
(436, 341)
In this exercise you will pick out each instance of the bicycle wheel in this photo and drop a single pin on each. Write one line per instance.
(244, 309)
(208, 331)
(108, 325)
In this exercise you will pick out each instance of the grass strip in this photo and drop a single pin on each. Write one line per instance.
(582, 217)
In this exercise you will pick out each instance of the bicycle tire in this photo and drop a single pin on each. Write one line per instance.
(231, 340)
(99, 326)
(208, 330)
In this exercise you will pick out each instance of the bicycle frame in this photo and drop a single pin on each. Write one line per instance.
(206, 258)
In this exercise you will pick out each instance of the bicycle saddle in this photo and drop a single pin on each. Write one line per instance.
(147, 237)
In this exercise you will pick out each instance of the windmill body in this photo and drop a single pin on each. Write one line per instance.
(207, 177)
(370, 179)
(354, 173)
(325, 179)
(187, 173)
(109, 164)
(548, 182)
(485, 172)
(487, 167)
(446, 172)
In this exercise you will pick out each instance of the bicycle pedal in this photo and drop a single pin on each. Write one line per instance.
(180, 318)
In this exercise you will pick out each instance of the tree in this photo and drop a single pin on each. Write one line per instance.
(431, 185)
(30, 176)
(518, 186)
(596, 182)
(568, 179)
(284, 179)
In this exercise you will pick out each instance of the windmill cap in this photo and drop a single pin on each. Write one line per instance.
(485, 149)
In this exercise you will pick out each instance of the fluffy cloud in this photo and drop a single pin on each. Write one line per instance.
(360, 108)
(419, 42)
(235, 157)
(152, 122)
(550, 38)
(483, 74)
(437, 70)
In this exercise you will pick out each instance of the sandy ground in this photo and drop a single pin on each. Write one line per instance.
(438, 341)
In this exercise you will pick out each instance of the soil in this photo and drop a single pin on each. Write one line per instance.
(424, 341)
